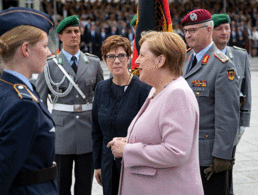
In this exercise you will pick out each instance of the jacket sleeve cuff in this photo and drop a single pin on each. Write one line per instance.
(245, 118)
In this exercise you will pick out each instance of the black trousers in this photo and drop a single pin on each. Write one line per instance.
(83, 173)
(217, 184)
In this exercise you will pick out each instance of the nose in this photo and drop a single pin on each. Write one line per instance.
(49, 53)
(137, 61)
(117, 60)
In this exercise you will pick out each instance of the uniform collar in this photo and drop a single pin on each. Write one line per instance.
(21, 77)
(224, 50)
(201, 54)
(69, 56)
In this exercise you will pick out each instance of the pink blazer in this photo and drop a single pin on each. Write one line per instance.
(161, 156)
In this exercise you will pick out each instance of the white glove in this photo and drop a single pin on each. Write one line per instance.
(241, 132)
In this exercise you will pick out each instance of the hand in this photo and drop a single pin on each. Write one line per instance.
(222, 164)
(117, 146)
(98, 176)
(209, 171)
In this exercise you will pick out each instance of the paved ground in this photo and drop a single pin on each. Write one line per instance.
(246, 167)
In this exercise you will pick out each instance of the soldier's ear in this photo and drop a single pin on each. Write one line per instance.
(24, 49)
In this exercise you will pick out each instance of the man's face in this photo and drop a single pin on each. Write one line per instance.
(71, 36)
(195, 35)
(221, 34)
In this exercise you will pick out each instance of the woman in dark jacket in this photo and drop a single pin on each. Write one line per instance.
(117, 101)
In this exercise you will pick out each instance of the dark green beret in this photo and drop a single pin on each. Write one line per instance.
(133, 22)
(220, 19)
(68, 21)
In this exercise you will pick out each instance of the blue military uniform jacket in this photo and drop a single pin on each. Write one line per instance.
(27, 137)
(111, 116)
(216, 86)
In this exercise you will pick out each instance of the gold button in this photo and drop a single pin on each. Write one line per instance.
(206, 136)
(197, 93)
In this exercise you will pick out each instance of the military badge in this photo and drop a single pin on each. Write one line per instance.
(60, 60)
(231, 74)
(199, 83)
(205, 59)
(193, 16)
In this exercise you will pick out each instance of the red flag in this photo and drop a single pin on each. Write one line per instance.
(151, 15)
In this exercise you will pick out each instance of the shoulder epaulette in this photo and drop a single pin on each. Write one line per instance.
(189, 49)
(221, 56)
(91, 55)
(24, 92)
(239, 48)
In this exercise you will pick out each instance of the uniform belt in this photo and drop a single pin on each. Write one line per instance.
(24, 178)
(72, 108)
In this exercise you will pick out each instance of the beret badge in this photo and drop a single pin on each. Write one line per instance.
(193, 16)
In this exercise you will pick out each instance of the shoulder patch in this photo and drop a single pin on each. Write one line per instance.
(24, 92)
(221, 56)
(239, 48)
(91, 55)
(189, 49)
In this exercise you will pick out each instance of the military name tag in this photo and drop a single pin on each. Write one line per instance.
(198, 89)
(231, 74)
(199, 83)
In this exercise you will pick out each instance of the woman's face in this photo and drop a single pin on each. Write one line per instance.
(148, 64)
(39, 54)
(117, 61)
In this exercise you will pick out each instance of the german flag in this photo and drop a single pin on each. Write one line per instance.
(151, 15)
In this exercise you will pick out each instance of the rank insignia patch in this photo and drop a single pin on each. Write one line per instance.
(199, 83)
(205, 59)
(231, 74)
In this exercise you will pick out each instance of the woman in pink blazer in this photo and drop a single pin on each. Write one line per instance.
(160, 152)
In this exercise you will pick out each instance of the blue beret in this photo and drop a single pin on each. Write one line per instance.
(16, 16)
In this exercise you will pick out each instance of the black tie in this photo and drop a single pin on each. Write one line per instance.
(194, 63)
(74, 66)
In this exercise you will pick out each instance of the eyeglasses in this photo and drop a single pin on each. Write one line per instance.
(111, 58)
(192, 30)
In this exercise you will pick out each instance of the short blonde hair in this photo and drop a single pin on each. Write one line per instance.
(171, 45)
(14, 38)
(115, 41)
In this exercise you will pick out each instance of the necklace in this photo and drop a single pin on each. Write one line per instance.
(128, 79)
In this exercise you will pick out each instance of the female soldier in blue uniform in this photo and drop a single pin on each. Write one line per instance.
(27, 132)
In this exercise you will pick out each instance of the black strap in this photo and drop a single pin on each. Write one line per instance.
(74, 66)
(35, 177)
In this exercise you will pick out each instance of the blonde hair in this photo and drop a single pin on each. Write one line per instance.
(14, 38)
(171, 45)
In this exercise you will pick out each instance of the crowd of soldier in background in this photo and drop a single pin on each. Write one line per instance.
(102, 19)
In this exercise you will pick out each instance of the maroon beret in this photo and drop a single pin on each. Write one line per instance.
(196, 16)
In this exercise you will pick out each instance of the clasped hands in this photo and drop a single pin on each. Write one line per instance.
(219, 165)
(117, 146)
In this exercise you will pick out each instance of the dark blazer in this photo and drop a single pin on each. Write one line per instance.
(111, 117)
(27, 138)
